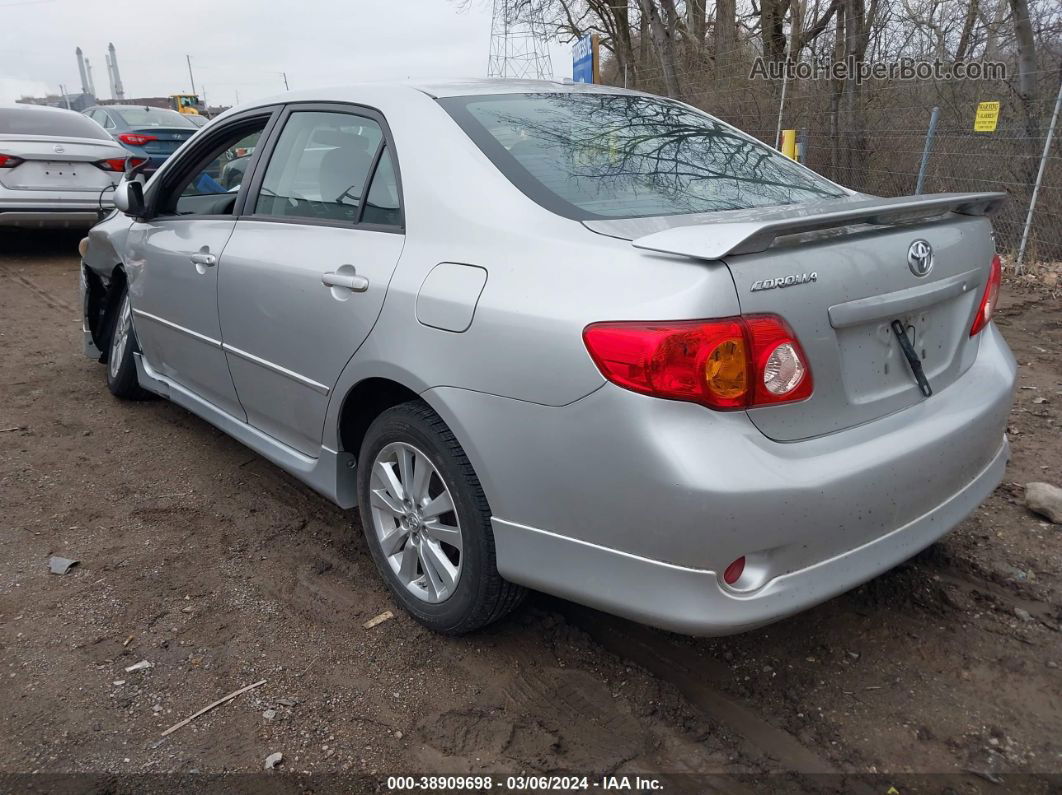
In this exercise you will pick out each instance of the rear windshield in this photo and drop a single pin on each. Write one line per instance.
(49, 121)
(619, 156)
(152, 117)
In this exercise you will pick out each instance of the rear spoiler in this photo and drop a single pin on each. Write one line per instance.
(721, 239)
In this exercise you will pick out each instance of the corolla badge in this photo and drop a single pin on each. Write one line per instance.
(784, 281)
(920, 258)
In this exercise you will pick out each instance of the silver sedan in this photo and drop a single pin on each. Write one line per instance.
(572, 338)
(57, 167)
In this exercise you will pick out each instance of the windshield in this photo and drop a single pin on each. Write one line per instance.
(49, 121)
(152, 117)
(620, 156)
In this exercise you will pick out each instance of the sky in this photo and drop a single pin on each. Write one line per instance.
(239, 48)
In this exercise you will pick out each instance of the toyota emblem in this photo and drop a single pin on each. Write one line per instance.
(920, 258)
(59, 149)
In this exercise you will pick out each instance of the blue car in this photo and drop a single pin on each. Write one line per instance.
(154, 133)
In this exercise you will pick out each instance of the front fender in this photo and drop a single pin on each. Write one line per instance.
(107, 245)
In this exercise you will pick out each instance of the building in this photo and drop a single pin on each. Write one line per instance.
(72, 101)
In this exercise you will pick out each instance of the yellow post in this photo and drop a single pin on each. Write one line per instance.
(789, 144)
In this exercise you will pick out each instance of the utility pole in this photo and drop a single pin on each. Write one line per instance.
(285, 76)
(188, 58)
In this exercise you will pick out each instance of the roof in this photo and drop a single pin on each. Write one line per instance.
(35, 107)
(476, 86)
(130, 106)
(442, 88)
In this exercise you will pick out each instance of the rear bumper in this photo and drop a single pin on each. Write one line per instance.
(695, 601)
(50, 218)
(636, 505)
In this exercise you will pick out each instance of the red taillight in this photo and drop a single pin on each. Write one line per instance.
(135, 139)
(734, 571)
(781, 368)
(118, 163)
(729, 363)
(9, 161)
(991, 296)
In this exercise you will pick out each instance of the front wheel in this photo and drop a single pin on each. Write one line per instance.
(427, 522)
(121, 367)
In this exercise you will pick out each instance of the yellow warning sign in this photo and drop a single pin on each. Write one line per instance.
(987, 117)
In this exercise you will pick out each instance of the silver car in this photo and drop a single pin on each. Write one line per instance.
(570, 338)
(57, 167)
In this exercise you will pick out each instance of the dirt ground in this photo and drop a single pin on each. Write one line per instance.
(220, 570)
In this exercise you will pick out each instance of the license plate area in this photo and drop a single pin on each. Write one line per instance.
(906, 335)
(68, 172)
(51, 175)
(873, 364)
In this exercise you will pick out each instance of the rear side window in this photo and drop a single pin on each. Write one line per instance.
(151, 117)
(382, 203)
(49, 121)
(320, 167)
(599, 155)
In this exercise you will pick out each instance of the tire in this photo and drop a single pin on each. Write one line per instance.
(422, 581)
(121, 345)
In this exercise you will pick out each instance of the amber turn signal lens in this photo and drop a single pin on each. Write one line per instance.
(726, 369)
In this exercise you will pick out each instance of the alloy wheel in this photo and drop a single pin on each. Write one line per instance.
(120, 339)
(415, 522)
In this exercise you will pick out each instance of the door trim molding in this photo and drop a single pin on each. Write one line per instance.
(170, 324)
(276, 368)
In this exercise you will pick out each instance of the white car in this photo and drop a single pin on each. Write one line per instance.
(57, 167)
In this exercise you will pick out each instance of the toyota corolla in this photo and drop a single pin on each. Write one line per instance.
(569, 338)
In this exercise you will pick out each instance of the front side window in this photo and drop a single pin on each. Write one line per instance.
(620, 156)
(320, 166)
(211, 186)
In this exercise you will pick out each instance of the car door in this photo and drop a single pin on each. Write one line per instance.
(174, 259)
(308, 264)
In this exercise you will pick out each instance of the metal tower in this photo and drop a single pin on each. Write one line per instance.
(88, 73)
(81, 70)
(117, 90)
(518, 42)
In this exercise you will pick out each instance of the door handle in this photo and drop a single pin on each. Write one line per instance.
(350, 281)
(207, 260)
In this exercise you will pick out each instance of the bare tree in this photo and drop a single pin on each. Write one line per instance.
(1027, 88)
(661, 31)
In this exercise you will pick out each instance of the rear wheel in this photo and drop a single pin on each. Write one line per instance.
(427, 522)
(121, 367)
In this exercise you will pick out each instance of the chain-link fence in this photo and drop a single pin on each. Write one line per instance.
(880, 148)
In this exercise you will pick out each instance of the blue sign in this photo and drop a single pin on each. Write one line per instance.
(583, 60)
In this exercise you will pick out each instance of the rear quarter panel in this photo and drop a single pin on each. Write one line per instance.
(547, 278)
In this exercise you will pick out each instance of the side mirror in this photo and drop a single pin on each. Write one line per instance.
(129, 198)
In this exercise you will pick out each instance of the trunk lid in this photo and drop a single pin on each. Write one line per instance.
(53, 163)
(843, 318)
(840, 274)
(167, 140)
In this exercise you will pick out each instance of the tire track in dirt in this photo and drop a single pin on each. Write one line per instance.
(690, 674)
(50, 300)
